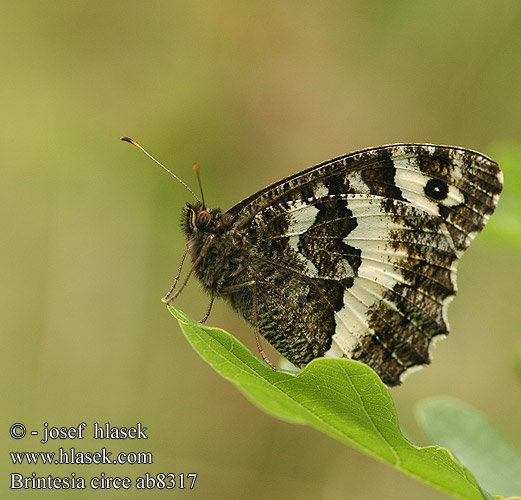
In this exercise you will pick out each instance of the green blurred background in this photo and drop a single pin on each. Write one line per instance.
(252, 91)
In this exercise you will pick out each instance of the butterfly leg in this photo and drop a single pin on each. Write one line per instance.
(176, 279)
(166, 299)
(183, 284)
(252, 283)
(206, 316)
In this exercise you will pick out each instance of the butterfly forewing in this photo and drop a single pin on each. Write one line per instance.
(356, 257)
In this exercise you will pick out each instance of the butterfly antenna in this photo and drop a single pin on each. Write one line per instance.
(196, 170)
(133, 142)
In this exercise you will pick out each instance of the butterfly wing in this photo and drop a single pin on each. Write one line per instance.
(357, 257)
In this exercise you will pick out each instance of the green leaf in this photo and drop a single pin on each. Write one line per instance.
(342, 398)
(475, 441)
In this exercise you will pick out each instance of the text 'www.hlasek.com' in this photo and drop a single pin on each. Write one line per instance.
(71, 456)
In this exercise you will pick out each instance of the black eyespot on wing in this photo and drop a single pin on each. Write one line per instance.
(436, 189)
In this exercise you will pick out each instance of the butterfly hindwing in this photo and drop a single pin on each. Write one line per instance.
(357, 256)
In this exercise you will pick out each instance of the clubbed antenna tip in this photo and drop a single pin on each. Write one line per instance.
(134, 143)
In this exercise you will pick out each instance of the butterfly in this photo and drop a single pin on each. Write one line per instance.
(355, 257)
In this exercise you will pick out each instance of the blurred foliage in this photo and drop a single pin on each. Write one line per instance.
(517, 362)
(475, 441)
(506, 226)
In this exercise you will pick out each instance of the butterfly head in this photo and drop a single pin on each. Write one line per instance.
(199, 221)
(197, 218)
(205, 228)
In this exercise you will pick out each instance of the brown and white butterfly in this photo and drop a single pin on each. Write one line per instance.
(355, 257)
